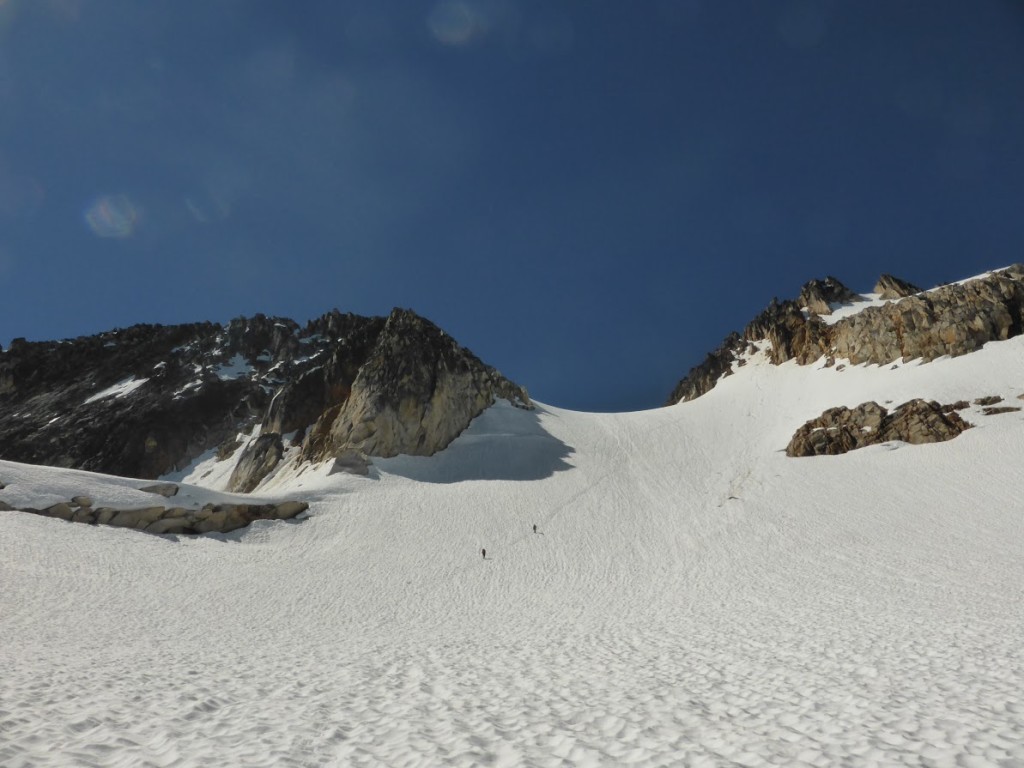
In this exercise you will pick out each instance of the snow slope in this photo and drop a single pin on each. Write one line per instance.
(693, 597)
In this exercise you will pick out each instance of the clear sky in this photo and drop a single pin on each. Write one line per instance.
(589, 195)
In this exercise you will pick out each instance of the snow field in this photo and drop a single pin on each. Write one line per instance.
(693, 597)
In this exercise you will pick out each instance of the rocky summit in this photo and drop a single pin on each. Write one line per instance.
(148, 400)
(953, 320)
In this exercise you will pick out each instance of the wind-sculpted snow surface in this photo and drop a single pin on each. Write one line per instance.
(692, 597)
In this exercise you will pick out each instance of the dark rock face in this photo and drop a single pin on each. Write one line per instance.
(951, 320)
(147, 400)
(839, 430)
(256, 462)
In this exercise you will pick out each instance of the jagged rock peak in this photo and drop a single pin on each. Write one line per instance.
(950, 320)
(416, 392)
(147, 400)
(818, 296)
(889, 287)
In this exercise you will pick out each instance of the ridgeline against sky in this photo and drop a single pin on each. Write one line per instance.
(586, 195)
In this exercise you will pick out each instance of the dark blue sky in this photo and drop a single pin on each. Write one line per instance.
(588, 195)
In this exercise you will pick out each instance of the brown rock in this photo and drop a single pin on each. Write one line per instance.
(82, 501)
(839, 430)
(820, 295)
(890, 287)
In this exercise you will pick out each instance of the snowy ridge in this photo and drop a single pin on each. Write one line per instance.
(693, 597)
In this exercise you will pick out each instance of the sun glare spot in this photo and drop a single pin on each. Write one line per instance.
(456, 22)
(112, 216)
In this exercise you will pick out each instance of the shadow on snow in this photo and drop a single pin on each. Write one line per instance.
(502, 443)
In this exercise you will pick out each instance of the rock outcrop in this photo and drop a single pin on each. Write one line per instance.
(211, 518)
(257, 461)
(839, 430)
(147, 400)
(889, 287)
(950, 320)
(415, 393)
(819, 296)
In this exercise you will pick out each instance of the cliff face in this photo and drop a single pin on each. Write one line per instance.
(147, 400)
(951, 320)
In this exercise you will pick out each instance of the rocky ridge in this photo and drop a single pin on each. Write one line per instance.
(951, 320)
(146, 401)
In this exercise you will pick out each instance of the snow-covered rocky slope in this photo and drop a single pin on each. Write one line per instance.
(692, 596)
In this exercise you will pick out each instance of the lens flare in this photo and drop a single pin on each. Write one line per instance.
(455, 22)
(112, 216)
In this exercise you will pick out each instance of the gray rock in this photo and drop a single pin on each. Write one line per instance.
(84, 515)
(170, 525)
(136, 518)
(61, 510)
(256, 462)
(351, 463)
(166, 490)
(5, 507)
(105, 514)
(287, 510)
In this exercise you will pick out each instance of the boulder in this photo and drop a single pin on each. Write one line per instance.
(170, 525)
(166, 490)
(136, 518)
(351, 463)
(61, 510)
(84, 515)
(81, 501)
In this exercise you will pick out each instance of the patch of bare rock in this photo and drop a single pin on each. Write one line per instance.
(839, 430)
(211, 518)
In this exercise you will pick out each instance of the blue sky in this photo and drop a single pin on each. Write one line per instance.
(587, 195)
